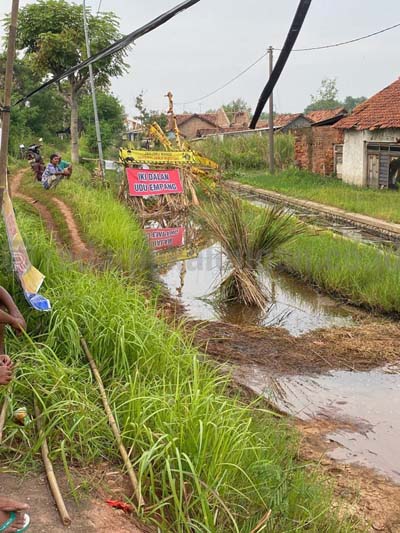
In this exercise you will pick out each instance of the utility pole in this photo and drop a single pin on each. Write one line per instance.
(93, 91)
(5, 132)
(271, 116)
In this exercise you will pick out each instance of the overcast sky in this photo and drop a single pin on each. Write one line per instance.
(207, 45)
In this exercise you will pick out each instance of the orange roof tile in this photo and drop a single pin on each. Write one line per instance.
(381, 111)
(324, 114)
(280, 121)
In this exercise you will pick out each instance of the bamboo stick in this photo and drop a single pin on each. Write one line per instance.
(114, 427)
(51, 477)
(3, 416)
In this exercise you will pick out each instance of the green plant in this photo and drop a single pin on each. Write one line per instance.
(205, 461)
(248, 151)
(327, 190)
(250, 238)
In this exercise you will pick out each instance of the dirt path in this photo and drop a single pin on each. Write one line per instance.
(79, 250)
(44, 212)
(91, 515)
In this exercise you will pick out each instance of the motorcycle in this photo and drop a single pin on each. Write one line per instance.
(36, 160)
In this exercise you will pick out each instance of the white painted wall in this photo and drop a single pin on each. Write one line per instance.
(355, 152)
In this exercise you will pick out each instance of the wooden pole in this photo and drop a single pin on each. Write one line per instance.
(5, 134)
(66, 520)
(113, 424)
(271, 117)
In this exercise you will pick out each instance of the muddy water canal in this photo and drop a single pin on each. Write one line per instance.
(364, 406)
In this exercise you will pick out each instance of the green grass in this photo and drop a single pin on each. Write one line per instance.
(104, 222)
(248, 152)
(358, 273)
(206, 461)
(384, 204)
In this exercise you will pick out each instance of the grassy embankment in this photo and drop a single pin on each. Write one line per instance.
(104, 222)
(384, 204)
(206, 462)
(360, 274)
(248, 152)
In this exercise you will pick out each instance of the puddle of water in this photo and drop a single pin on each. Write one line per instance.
(292, 305)
(368, 404)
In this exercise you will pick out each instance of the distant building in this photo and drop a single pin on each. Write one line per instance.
(371, 149)
(191, 125)
(319, 148)
(291, 121)
(133, 129)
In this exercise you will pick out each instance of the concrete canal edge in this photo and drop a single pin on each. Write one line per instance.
(373, 225)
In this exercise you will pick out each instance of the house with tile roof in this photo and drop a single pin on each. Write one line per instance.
(371, 148)
(191, 124)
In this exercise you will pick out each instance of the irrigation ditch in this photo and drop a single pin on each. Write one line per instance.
(329, 364)
(313, 356)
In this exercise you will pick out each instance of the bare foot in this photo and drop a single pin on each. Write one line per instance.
(6, 507)
(5, 378)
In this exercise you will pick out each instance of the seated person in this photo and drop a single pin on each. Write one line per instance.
(65, 166)
(53, 173)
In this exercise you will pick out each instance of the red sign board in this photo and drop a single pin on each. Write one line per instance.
(144, 182)
(164, 238)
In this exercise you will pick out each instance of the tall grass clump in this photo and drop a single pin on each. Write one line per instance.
(251, 239)
(248, 151)
(205, 461)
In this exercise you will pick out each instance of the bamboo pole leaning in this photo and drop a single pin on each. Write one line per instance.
(51, 477)
(114, 427)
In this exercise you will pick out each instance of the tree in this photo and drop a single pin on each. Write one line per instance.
(350, 102)
(52, 36)
(326, 96)
(111, 117)
(147, 116)
(36, 118)
(235, 106)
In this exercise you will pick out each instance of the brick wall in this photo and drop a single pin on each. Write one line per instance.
(191, 127)
(314, 148)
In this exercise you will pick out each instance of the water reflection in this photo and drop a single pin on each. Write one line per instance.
(368, 404)
(292, 305)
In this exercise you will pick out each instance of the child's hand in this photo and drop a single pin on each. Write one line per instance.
(6, 361)
(5, 375)
(18, 324)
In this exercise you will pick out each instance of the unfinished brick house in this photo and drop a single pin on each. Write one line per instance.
(192, 124)
(319, 147)
(371, 149)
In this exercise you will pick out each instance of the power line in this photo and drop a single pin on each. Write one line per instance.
(225, 84)
(99, 7)
(290, 41)
(335, 45)
(357, 39)
(113, 48)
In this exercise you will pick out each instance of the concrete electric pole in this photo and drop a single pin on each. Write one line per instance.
(93, 91)
(5, 130)
(271, 116)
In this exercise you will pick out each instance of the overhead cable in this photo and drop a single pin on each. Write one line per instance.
(115, 47)
(323, 47)
(291, 38)
(335, 45)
